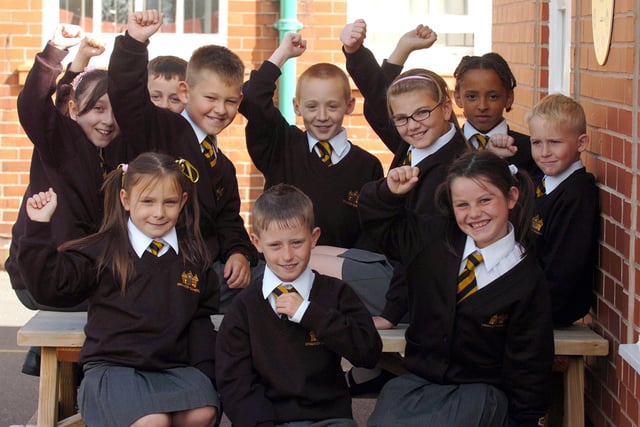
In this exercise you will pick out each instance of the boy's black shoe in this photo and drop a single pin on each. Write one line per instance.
(31, 364)
(371, 387)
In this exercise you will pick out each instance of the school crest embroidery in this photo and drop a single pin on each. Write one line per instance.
(189, 281)
(498, 320)
(536, 224)
(352, 198)
(313, 340)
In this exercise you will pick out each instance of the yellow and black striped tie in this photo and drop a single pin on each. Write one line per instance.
(482, 141)
(283, 289)
(467, 284)
(324, 150)
(541, 189)
(407, 159)
(103, 165)
(155, 247)
(209, 151)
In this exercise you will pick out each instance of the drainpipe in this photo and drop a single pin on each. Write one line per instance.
(287, 23)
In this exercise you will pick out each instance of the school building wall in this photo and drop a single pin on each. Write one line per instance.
(520, 33)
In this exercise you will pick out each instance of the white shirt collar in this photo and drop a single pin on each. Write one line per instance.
(140, 241)
(552, 182)
(302, 284)
(200, 134)
(469, 131)
(419, 154)
(339, 143)
(493, 253)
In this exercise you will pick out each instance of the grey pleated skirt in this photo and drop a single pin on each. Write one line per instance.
(113, 395)
(410, 400)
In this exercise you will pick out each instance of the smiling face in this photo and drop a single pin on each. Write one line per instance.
(481, 209)
(98, 123)
(154, 205)
(212, 102)
(555, 147)
(286, 250)
(164, 93)
(483, 98)
(322, 105)
(421, 134)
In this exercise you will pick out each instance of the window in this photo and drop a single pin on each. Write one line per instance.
(559, 46)
(463, 27)
(187, 24)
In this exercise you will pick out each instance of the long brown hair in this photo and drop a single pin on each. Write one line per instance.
(146, 169)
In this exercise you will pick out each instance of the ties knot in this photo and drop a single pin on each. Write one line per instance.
(541, 189)
(283, 288)
(467, 284)
(155, 247)
(474, 259)
(324, 150)
(209, 150)
(482, 141)
(407, 158)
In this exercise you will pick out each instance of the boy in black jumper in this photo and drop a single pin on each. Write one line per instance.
(278, 357)
(212, 92)
(567, 206)
(287, 154)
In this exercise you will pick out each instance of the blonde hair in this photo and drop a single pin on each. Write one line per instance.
(325, 71)
(282, 206)
(563, 110)
(216, 59)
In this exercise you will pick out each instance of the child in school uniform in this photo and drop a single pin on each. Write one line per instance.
(151, 292)
(484, 90)
(211, 92)
(567, 217)
(480, 337)
(320, 160)
(165, 73)
(279, 349)
(75, 143)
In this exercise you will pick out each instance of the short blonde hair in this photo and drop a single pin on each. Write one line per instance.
(325, 71)
(282, 206)
(216, 59)
(563, 110)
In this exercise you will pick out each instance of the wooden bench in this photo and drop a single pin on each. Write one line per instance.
(57, 333)
(575, 342)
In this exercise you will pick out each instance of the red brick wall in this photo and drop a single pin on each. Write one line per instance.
(520, 34)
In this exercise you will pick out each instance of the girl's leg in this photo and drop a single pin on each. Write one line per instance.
(153, 420)
(198, 417)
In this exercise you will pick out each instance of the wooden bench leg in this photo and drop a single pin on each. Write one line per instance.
(574, 393)
(48, 393)
(67, 391)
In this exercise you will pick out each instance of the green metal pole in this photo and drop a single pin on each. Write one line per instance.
(287, 23)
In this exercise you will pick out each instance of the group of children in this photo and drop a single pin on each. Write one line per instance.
(457, 240)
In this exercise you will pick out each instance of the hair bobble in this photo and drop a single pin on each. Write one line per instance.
(188, 170)
(123, 167)
(513, 169)
(79, 77)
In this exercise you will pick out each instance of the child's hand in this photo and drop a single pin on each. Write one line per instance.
(402, 179)
(237, 271)
(291, 46)
(422, 37)
(66, 36)
(502, 145)
(41, 206)
(381, 323)
(353, 35)
(288, 303)
(142, 25)
(89, 47)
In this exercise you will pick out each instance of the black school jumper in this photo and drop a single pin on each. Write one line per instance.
(281, 152)
(449, 343)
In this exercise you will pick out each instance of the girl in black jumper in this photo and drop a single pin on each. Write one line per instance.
(147, 276)
(480, 338)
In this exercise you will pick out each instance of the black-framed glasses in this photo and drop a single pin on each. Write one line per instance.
(419, 116)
